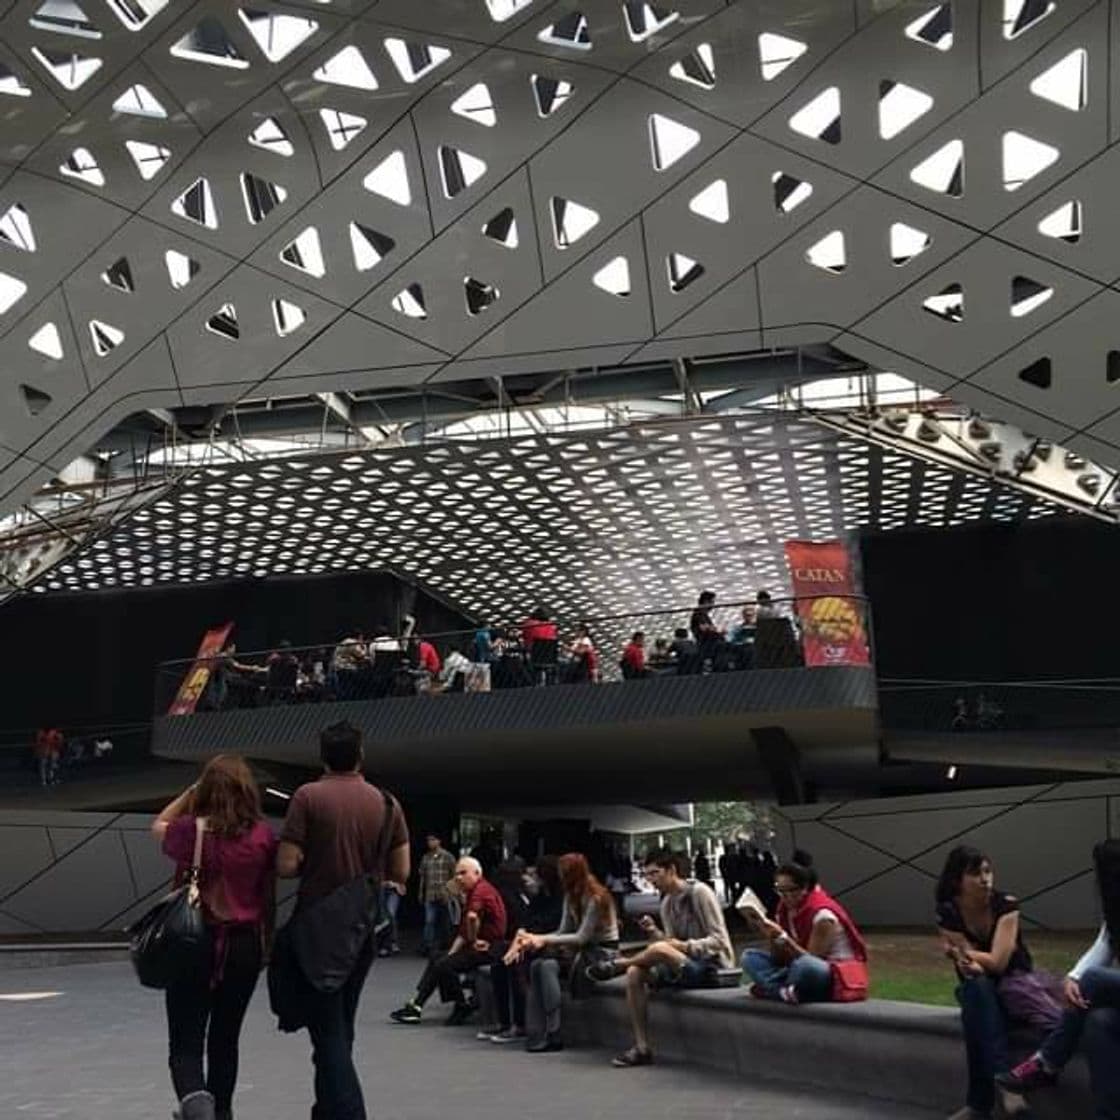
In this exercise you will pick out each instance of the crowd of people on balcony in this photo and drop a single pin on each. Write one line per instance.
(373, 663)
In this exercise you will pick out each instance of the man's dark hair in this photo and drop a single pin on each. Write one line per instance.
(763, 597)
(707, 597)
(666, 860)
(638, 634)
(340, 746)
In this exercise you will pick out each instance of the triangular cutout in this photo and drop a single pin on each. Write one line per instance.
(820, 119)
(476, 105)
(368, 246)
(1024, 158)
(570, 31)
(210, 43)
(906, 243)
(614, 277)
(196, 204)
(1066, 83)
(830, 253)
(287, 317)
(10, 85)
(410, 302)
(1064, 224)
(277, 34)
(181, 269)
(12, 290)
(670, 140)
(697, 68)
(415, 60)
(341, 127)
(389, 179)
(571, 221)
(271, 135)
(550, 93)
(80, 164)
(305, 253)
(934, 28)
(1040, 374)
(1022, 15)
(15, 229)
(948, 304)
(501, 10)
(150, 159)
(900, 106)
(224, 323)
(69, 69)
(777, 53)
(47, 341)
(347, 68)
(119, 275)
(943, 171)
(502, 228)
(1112, 367)
(789, 191)
(683, 271)
(34, 400)
(106, 338)
(139, 101)
(1027, 295)
(261, 196)
(479, 295)
(645, 18)
(713, 202)
(458, 170)
(65, 18)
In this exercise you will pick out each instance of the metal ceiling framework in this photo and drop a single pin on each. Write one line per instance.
(203, 203)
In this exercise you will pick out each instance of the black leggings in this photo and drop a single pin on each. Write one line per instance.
(200, 1018)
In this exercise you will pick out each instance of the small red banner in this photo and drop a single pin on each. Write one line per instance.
(832, 618)
(195, 682)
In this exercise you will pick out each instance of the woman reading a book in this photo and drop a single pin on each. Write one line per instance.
(816, 952)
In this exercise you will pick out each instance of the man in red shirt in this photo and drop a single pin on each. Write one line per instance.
(428, 657)
(634, 657)
(482, 927)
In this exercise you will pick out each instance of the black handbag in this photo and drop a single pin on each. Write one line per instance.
(171, 940)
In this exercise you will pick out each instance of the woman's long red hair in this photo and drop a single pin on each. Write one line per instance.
(579, 884)
(227, 796)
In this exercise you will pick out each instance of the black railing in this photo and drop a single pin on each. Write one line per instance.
(743, 636)
(993, 706)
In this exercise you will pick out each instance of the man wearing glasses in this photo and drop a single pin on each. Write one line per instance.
(688, 950)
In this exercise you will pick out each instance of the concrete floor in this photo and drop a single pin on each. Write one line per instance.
(97, 1051)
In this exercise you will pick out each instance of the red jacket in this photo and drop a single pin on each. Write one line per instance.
(849, 978)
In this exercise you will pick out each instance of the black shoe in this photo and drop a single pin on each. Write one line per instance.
(632, 1057)
(460, 1013)
(410, 1013)
(550, 1044)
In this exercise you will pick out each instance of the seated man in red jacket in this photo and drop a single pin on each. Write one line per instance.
(481, 929)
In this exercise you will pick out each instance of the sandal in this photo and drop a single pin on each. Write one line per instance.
(633, 1057)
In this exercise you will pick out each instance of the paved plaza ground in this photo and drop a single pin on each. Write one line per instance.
(97, 1051)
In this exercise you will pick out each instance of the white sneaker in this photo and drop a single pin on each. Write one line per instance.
(1011, 1103)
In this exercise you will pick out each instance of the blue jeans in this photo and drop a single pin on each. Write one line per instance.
(1102, 1048)
(809, 976)
(338, 1092)
(435, 916)
(388, 937)
(985, 1039)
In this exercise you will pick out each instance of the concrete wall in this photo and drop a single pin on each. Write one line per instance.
(882, 857)
(77, 872)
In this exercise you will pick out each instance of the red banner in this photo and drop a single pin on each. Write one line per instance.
(195, 682)
(832, 619)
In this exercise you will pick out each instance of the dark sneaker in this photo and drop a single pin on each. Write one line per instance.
(510, 1034)
(600, 971)
(410, 1013)
(550, 1044)
(632, 1057)
(460, 1013)
(1031, 1074)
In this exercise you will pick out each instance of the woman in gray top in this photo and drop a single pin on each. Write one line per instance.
(588, 930)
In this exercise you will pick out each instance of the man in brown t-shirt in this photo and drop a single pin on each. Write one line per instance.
(331, 836)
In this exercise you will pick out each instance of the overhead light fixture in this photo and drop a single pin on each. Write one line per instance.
(951, 773)
(278, 793)
(977, 429)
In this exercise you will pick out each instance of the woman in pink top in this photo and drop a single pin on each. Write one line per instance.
(238, 869)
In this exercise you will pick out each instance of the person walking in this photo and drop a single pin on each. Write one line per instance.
(339, 830)
(236, 883)
(437, 868)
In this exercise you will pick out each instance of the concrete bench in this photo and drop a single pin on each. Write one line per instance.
(905, 1052)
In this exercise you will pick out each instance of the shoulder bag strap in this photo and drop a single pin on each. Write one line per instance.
(196, 860)
(386, 833)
